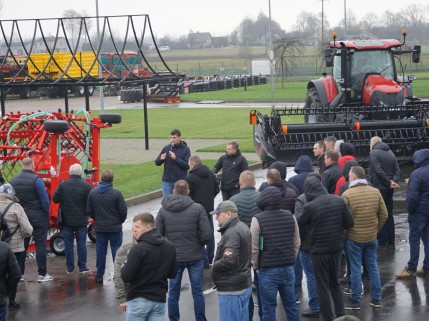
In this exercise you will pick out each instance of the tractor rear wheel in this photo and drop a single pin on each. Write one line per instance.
(111, 118)
(314, 108)
(56, 126)
(57, 244)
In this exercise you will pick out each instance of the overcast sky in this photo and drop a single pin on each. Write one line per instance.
(219, 17)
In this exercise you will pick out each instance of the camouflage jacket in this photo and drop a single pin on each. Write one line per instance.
(121, 257)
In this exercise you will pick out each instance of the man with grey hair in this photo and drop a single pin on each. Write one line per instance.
(329, 142)
(232, 165)
(72, 195)
(107, 207)
(384, 174)
(33, 197)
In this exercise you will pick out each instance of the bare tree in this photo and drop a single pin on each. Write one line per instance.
(73, 21)
(369, 21)
(287, 52)
(308, 24)
(415, 16)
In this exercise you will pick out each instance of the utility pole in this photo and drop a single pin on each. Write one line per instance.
(271, 51)
(345, 19)
(100, 69)
(323, 22)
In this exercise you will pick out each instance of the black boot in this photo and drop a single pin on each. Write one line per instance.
(13, 305)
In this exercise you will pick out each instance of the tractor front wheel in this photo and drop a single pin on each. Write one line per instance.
(314, 111)
(57, 244)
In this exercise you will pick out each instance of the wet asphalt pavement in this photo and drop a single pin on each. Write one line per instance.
(78, 298)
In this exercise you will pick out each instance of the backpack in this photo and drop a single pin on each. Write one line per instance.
(6, 235)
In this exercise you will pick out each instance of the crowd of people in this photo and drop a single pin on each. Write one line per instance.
(270, 237)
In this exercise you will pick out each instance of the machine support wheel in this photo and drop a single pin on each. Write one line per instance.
(56, 126)
(57, 244)
(111, 118)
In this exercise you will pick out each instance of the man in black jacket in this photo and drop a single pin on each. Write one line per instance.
(275, 245)
(203, 189)
(184, 223)
(326, 217)
(72, 195)
(232, 165)
(384, 174)
(149, 264)
(9, 273)
(332, 171)
(33, 197)
(175, 157)
(281, 167)
(231, 268)
(107, 207)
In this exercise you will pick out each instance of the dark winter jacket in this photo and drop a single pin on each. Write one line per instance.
(303, 166)
(178, 168)
(203, 186)
(281, 167)
(32, 195)
(231, 266)
(327, 216)
(321, 164)
(107, 207)
(9, 271)
(277, 228)
(304, 233)
(344, 179)
(232, 166)
(330, 177)
(185, 224)
(72, 194)
(383, 166)
(246, 203)
(149, 264)
(418, 184)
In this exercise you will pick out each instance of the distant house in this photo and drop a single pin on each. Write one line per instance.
(220, 42)
(200, 40)
(39, 46)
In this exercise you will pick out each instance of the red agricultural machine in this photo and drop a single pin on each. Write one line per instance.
(364, 96)
(54, 141)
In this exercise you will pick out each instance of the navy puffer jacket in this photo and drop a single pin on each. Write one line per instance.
(418, 185)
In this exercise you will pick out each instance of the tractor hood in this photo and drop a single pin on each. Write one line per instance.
(381, 91)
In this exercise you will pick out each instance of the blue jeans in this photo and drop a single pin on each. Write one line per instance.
(103, 238)
(307, 265)
(367, 252)
(167, 188)
(419, 229)
(234, 307)
(141, 309)
(297, 270)
(210, 246)
(195, 271)
(3, 312)
(278, 279)
(40, 236)
(69, 233)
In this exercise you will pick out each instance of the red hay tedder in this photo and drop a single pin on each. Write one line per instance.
(54, 141)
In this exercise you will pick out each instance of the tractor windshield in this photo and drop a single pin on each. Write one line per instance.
(374, 61)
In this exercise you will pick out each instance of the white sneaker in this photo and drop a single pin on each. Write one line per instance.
(45, 278)
(22, 278)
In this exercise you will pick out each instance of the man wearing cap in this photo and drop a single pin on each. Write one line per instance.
(231, 267)
(19, 228)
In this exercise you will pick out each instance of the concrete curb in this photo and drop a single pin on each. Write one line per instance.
(158, 193)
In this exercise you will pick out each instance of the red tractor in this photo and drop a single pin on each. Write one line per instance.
(55, 141)
(363, 97)
(364, 73)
